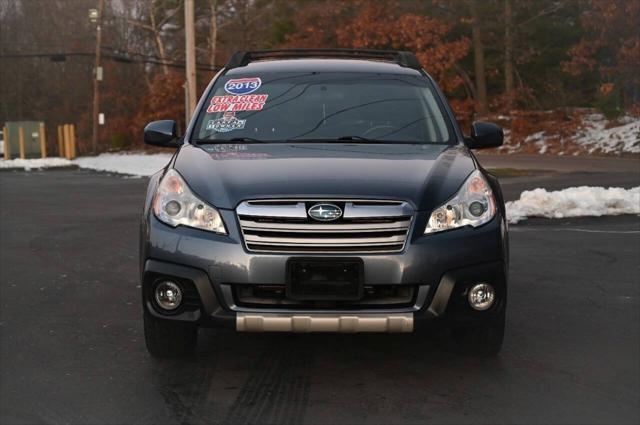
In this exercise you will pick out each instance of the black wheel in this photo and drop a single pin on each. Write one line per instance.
(483, 339)
(166, 338)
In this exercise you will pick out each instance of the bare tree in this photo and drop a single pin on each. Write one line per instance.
(508, 54)
(157, 19)
(213, 32)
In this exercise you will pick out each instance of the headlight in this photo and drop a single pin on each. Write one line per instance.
(175, 205)
(473, 205)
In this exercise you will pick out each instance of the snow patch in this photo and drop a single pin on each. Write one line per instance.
(535, 137)
(136, 165)
(594, 135)
(539, 139)
(133, 164)
(582, 132)
(583, 201)
(30, 164)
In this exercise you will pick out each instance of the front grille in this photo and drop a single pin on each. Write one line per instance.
(284, 226)
(374, 296)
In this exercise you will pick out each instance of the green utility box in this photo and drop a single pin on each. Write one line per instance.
(31, 138)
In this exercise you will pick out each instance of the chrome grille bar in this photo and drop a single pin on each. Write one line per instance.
(294, 210)
(311, 228)
(352, 210)
(323, 241)
(283, 226)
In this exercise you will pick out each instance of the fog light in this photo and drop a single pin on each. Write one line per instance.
(481, 296)
(168, 295)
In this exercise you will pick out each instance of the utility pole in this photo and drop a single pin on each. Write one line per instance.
(190, 49)
(97, 74)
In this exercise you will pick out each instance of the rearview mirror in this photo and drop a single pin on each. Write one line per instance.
(161, 133)
(484, 135)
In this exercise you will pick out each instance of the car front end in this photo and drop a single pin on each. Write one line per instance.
(324, 234)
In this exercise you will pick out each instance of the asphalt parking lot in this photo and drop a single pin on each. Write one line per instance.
(72, 349)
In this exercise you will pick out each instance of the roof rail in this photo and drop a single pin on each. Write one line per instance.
(402, 58)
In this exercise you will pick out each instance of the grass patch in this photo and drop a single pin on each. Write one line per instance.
(513, 172)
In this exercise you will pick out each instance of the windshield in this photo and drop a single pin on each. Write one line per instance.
(323, 107)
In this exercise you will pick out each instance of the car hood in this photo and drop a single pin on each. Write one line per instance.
(426, 175)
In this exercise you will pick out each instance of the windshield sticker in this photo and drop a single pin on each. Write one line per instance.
(235, 151)
(240, 155)
(242, 85)
(247, 102)
(238, 147)
(228, 122)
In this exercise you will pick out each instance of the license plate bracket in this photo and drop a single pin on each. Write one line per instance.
(319, 279)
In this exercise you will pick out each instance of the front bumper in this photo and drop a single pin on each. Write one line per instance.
(441, 267)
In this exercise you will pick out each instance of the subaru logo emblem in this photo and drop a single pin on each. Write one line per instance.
(325, 212)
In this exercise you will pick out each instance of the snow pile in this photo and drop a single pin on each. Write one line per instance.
(594, 135)
(29, 164)
(580, 201)
(134, 164)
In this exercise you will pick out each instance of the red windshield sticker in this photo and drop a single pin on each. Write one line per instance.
(238, 103)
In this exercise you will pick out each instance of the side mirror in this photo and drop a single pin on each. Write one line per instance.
(484, 135)
(161, 133)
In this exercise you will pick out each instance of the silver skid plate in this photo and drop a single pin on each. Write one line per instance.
(344, 323)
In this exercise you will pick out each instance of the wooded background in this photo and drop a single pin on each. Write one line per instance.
(490, 56)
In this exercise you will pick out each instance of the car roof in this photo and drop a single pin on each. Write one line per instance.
(322, 65)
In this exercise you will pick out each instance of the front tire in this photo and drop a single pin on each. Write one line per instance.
(483, 339)
(166, 338)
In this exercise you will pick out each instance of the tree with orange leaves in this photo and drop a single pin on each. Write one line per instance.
(165, 101)
(377, 25)
(610, 47)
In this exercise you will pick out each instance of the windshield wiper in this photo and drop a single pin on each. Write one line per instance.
(362, 139)
(356, 139)
(232, 140)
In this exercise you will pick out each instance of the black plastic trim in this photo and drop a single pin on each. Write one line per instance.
(198, 277)
(449, 299)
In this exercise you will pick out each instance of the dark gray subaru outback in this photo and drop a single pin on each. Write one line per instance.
(323, 191)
